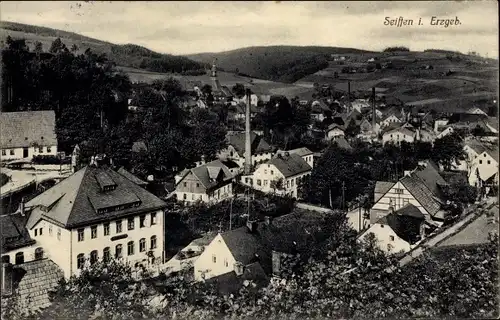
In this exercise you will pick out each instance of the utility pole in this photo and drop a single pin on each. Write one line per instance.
(231, 214)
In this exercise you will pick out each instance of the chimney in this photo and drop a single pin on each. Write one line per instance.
(276, 262)
(374, 113)
(252, 226)
(22, 206)
(268, 220)
(248, 143)
(6, 279)
(238, 268)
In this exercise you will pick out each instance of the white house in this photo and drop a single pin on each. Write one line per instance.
(96, 213)
(334, 130)
(484, 168)
(210, 183)
(235, 151)
(399, 231)
(443, 132)
(254, 99)
(281, 175)
(27, 134)
(399, 135)
(420, 187)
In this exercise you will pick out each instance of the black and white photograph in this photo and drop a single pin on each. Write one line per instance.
(272, 160)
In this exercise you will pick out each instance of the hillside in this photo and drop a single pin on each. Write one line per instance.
(128, 55)
(276, 63)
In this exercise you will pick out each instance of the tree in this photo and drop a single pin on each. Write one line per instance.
(38, 47)
(74, 48)
(448, 150)
(239, 90)
(206, 89)
(57, 46)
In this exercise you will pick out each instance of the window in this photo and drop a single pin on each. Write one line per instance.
(226, 263)
(153, 217)
(480, 161)
(81, 235)
(142, 245)
(80, 261)
(259, 182)
(93, 232)
(93, 257)
(36, 232)
(192, 196)
(391, 237)
(58, 233)
(12, 152)
(4, 152)
(214, 258)
(106, 229)
(397, 190)
(265, 182)
(265, 171)
(50, 230)
(185, 184)
(185, 196)
(484, 155)
(272, 172)
(197, 185)
(118, 226)
(118, 251)
(489, 162)
(293, 180)
(405, 202)
(130, 223)
(19, 257)
(142, 220)
(130, 248)
(48, 149)
(41, 231)
(6, 259)
(40, 150)
(106, 254)
(153, 243)
(38, 253)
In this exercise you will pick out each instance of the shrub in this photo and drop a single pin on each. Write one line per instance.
(49, 159)
(3, 179)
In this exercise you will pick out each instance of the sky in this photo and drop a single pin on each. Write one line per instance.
(193, 27)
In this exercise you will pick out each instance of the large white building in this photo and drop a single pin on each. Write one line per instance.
(27, 134)
(235, 151)
(96, 213)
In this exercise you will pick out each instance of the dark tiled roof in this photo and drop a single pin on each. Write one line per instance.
(290, 165)
(411, 211)
(24, 129)
(70, 202)
(405, 223)
(299, 151)
(258, 144)
(475, 145)
(37, 279)
(210, 174)
(230, 164)
(422, 194)
(13, 231)
(493, 152)
(131, 177)
(430, 176)
(342, 143)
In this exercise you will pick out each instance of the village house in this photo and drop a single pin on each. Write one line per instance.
(484, 168)
(96, 213)
(398, 135)
(420, 187)
(334, 130)
(235, 151)
(254, 100)
(342, 143)
(210, 183)
(240, 112)
(318, 110)
(281, 175)
(399, 231)
(27, 134)
(260, 246)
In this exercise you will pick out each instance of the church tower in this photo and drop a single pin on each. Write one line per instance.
(213, 76)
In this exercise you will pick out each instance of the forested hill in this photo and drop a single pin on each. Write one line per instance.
(276, 63)
(128, 55)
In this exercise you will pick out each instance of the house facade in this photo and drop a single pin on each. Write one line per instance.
(210, 183)
(333, 131)
(94, 214)
(261, 151)
(281, 175)
(484, 168)
(398, 135)
(27, 134)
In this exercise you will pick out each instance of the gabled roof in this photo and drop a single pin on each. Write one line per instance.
(298, 151)
(13, 232)
(402, 130)
(228, 283)
(210, 174)
(342, 143)
(258, 144)
(139, 146)
(405, 222)
(27, 128)
(475, 145)
(492, 122)
(77, 200)
(131, 177)
(430, 176)
(410, 210)
(289, 165)
(422, 194)
(335, 126)
(381, 188)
